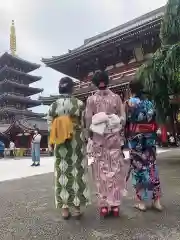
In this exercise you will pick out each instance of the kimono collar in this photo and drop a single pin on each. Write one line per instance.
(103, 92)
(65, 95)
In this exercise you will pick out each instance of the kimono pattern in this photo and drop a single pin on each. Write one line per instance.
(144, 171)
(70, 165)
(108, 168)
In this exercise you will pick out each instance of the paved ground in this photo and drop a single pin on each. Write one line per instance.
(11, 169)
(27, 211)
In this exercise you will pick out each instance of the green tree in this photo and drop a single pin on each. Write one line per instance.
(161, 74)
(170, 28)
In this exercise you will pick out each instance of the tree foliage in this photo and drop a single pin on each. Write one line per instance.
(161, 74)
(170, 28)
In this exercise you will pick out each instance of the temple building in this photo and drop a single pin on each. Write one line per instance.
(119, 51)
(17, 122)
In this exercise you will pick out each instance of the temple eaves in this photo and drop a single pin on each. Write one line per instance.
(146, 19)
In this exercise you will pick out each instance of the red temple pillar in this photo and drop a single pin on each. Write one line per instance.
(164, 134)
(30, 140)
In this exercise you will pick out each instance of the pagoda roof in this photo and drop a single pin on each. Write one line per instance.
(23, 112)
(8, 71)
(25, 65)
(28, 91)
(21, 99)
(120, 33)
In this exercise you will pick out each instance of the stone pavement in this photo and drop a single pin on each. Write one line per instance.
(17, 168)
(27, 211)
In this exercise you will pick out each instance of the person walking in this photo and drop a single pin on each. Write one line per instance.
(65, 127)
(35, 148)
(105, 117)
(141, 130)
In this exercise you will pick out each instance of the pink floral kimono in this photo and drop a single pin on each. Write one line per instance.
(108, 167)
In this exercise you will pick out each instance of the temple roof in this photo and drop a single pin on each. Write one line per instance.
(118, 81)
(135, 23)
(121, 32)
(5, 128)
(6, 72)
(23, 112)
(28, 91)
(25, 124)
(48, 100)
(20, 99)
(33, 123)
(26, 66)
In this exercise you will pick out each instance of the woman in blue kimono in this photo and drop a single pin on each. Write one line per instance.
(141, 133)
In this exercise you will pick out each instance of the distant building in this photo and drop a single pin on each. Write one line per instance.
(17, 122)
(120, 51)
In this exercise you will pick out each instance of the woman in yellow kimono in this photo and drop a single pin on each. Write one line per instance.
(65, 127)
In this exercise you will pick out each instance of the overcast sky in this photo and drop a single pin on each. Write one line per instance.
(46, 28)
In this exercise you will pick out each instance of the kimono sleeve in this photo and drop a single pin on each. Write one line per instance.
(89, 112)
(51, 115)
(81, 112)
(150, 109)
(121, 109)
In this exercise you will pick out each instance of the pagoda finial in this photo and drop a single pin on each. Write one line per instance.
(13, 39)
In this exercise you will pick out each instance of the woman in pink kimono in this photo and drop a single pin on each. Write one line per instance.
(108, 167)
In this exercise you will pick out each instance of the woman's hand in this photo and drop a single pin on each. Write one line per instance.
(50, 148)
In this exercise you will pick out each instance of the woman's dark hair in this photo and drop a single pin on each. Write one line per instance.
(66, 85)
(100, 79)
(136, 87)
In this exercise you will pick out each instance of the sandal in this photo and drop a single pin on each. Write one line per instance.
(115, 211)
(157, 206)
(140, 206)
(78, 214)
(66, 215)
(104, 212)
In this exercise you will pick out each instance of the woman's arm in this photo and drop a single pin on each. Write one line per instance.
(37, 139)
(50, 116)
(121, 110)
(88, 116)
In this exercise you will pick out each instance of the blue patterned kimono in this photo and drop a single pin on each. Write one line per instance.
(142, 145)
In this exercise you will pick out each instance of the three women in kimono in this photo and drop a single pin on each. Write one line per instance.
(105, 119)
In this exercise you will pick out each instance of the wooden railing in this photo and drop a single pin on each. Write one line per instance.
(113, 77)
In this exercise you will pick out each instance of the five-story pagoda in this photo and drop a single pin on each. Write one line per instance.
(17, 122)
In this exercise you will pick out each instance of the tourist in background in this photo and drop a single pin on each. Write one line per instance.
(35, 148)
(65, 127)
(105, 117)
(142, 143)
(2, 148)
(12, 148)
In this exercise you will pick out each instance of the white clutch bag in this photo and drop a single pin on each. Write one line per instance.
(90, 160)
